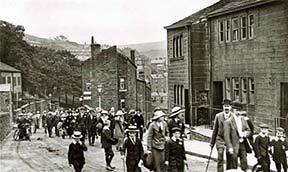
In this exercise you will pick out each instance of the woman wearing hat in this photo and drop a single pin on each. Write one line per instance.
(133, 149)
(76, 152)
(119, 129)
(176, 120)
(156, 140)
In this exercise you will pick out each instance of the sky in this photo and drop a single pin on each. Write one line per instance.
(116, 22)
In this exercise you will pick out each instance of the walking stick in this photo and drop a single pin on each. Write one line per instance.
(209, 159)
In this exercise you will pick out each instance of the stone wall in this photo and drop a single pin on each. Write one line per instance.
(5, 127)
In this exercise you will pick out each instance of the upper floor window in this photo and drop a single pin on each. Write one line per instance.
(19, 80)
(228, 30)
(8, 79)
(251, 26)
(236, 89)
(244, 90)
(221, 31)
(122, 84)
(251, 91)
(178, 46)
(243, 27)
(228, 88)
(235, 29)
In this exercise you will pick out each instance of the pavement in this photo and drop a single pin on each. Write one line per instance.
(44, 154)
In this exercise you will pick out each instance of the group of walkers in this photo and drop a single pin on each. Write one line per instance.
(233, 133)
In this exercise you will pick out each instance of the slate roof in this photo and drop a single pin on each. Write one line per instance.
(7, 68)
(238, 5)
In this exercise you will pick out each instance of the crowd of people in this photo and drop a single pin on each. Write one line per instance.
(232, 134)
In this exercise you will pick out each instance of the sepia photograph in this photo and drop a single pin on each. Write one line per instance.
(143, 86)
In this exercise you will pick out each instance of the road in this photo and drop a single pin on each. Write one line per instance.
(44, 154)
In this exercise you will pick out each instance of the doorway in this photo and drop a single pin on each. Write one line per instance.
(217, 98)
(187, 107)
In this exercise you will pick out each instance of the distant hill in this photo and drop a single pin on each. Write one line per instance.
(82, 51)
(149, 49)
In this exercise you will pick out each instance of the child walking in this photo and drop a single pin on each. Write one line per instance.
(279, 147)
(76, 152)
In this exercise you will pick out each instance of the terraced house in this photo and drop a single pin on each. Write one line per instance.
(240, 52)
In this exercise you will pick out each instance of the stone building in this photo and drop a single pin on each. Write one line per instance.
(12, 76)
(234, 49)
(116, 73)
(249, 50)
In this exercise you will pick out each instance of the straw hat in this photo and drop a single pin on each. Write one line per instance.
(176, 110)
(131, 129)
(158, 114)
(77, 135)
(119, 113)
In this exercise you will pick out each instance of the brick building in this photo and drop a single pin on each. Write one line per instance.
(116, 73)
(234, 49)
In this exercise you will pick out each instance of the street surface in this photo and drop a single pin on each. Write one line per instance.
(44, 154)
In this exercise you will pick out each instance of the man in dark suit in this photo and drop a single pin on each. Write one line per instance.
(107, 141)
(139, 122)
(50, 123)
(176, 120)
(91, 127)
(133, 148)
(236, 130)
(218, 133)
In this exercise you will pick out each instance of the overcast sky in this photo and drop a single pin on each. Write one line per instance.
(112, 22)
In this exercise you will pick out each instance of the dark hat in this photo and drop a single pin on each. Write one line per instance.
(175, 129)
(226, 102)
(236, 104)
(280, 129)
(263, 126)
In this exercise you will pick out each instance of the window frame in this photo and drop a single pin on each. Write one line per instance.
(251, 89)
(221, 34)
(236, 89)
(227, 30)
(228, 88)
(244, 90)
(236, 29)
(243, 27)
(251, 27)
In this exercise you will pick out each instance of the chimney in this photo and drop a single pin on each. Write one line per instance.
(132, 56)
(95, 49)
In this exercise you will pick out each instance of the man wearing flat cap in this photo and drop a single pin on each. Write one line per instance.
(236, 132)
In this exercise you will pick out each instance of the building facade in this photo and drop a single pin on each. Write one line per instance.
(116, 75)
(235, 49)
(12, 76)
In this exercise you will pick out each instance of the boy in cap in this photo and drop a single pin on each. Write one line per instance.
(175, 157)
(279, 148)
(76, 152)
(107, 141)
(134, 150)
(261, 148)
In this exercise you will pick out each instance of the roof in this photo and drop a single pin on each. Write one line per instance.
(238, 5)
(7, 68)
(196, 17)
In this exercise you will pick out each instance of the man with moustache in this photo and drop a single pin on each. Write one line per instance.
(218, 134)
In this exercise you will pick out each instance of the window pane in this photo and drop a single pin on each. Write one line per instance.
(228, 88)
(251, 26)
(221, 31)
(9, 79)
(251, 91)
(235, 27)
(243, 27)
(228, 27)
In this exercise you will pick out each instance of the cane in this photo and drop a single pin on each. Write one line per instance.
(209, 160)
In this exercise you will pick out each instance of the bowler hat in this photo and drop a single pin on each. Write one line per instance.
(236, 104)
(176, 110)
(131, 128)
(226, 102)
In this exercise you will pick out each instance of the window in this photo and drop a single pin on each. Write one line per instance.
(251, 91)
(243, 27)
(181, 95)
(244, 90)
(8, 79)
(235, 29)
(221, 31)
(251, 26)
(228, 88)
(122, 84)
(228, 27)
(236, 89)
(178, 46)
(3, 79)
(14, 81)
(174, 47)
(175, 94)
(181, 45)
(19, 80)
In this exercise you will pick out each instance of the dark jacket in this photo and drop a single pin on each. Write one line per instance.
(91, 123)
(175, 154)
(106, 138)
(172, 123)
(218, 131)
(279, 154)
(261, 146)
(138, 120)
(76, 153)
(134, 150)
(50, 121)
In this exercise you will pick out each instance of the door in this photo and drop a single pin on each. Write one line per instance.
(217, 97)
(187, 107)
(284, 106)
